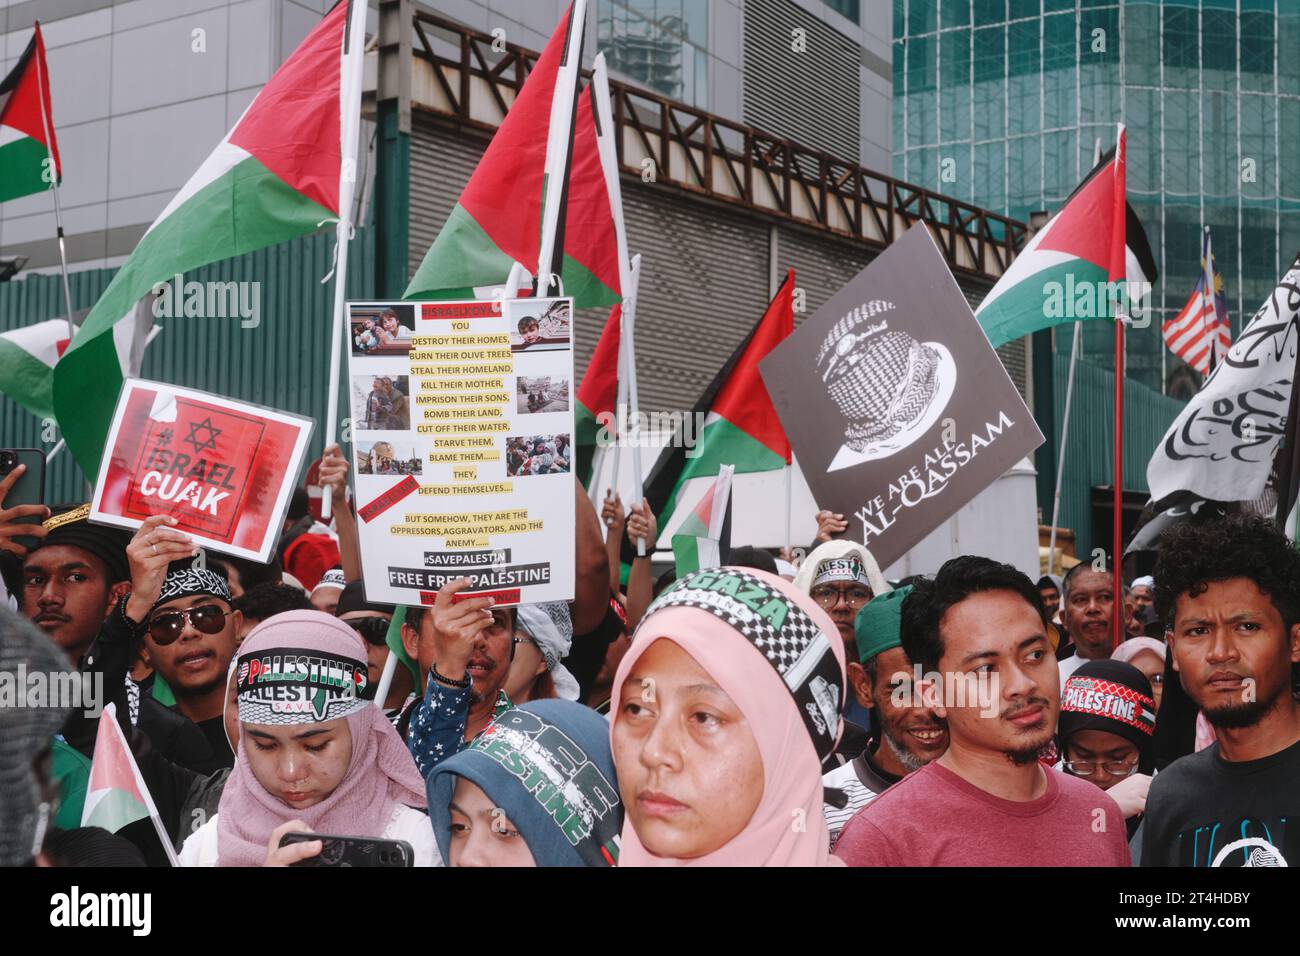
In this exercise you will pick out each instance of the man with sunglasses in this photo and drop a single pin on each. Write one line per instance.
(464, 649)
(370, 620)
(190, 628)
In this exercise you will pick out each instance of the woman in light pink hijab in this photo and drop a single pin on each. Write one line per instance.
(314, 754)
(723, 710)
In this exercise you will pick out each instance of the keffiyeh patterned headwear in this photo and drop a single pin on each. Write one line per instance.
(791, 641)
(778, 656)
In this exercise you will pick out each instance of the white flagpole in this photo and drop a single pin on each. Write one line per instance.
(620, 402)
(1209, 301)
(43, 90)
(559, 147)
(386, 679)
(350, 105)
(789, 495)
(628, 344)
(1065, 416)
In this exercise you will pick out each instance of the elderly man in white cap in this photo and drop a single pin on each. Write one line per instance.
(842, 576)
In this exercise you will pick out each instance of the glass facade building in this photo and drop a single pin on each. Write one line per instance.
(1000, 102)
(661, 43)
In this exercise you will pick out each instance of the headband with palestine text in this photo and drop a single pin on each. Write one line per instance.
(294, 685)
(841, 569)
(791, 641)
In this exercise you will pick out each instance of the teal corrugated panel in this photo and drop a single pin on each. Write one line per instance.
(1089, 457)
(282, 362)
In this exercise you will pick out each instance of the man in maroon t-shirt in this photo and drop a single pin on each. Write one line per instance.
(977, 629)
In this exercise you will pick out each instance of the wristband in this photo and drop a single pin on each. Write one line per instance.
(441, 679)
(135, 627)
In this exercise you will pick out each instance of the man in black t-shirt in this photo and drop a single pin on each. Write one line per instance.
(1230, 591)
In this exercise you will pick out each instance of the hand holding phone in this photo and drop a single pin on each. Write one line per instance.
(22, 496)
(292, 845)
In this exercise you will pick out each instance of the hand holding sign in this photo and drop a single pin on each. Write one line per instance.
(154, 547)
(829, 524)
(334, 473)
(460, 627)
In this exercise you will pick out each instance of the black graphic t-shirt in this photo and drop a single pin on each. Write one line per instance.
(1206, 811)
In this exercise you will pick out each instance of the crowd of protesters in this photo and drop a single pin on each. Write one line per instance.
(758, 713)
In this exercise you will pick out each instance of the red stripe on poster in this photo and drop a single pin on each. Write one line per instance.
(389, 498)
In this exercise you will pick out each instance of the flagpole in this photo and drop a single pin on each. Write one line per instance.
(1065, 435)
(1121, 318)
(386, 679)
(1065, 415)
(559, 154)
(43, 91)
(354, 39)
(789, 495)
(628, 344)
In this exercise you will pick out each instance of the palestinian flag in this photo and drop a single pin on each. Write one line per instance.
(275, 176)
(498, 220)
(27, 359)
(741, 427)
(27, 141)
(1061, 275)
(702, 540)
(597, 395)
(116, 794)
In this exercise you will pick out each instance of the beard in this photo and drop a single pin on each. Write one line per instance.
(909, 760)
(1023, 756)
(1239, 716)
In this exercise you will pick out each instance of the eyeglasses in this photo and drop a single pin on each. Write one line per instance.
(828, 597)
(1113, 768)
(166, 627)
(373, 630)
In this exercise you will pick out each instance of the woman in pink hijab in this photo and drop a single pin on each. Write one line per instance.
(724, 708)
(313, 755)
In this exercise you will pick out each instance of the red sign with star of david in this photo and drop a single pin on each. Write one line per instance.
(223, 469)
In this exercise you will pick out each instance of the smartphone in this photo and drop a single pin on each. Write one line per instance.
(30, 487)
(353, 851)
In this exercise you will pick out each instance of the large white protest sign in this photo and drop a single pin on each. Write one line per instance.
(462, 442)
(1223, 443)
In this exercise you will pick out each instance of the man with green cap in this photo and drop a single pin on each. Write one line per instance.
(912, 735)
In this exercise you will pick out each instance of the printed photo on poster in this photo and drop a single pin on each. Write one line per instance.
(387, 458)
(540, 326)
(541, 393)
(383, 329)
(538, 455)
(380, 402)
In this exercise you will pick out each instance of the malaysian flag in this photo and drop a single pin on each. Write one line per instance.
(1199, 334)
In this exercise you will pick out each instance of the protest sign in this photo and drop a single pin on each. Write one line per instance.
(462, 446)
(225, 470)
(896, 405)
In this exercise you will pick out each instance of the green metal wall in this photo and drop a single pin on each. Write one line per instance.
(283, 363)
(1089, 457)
